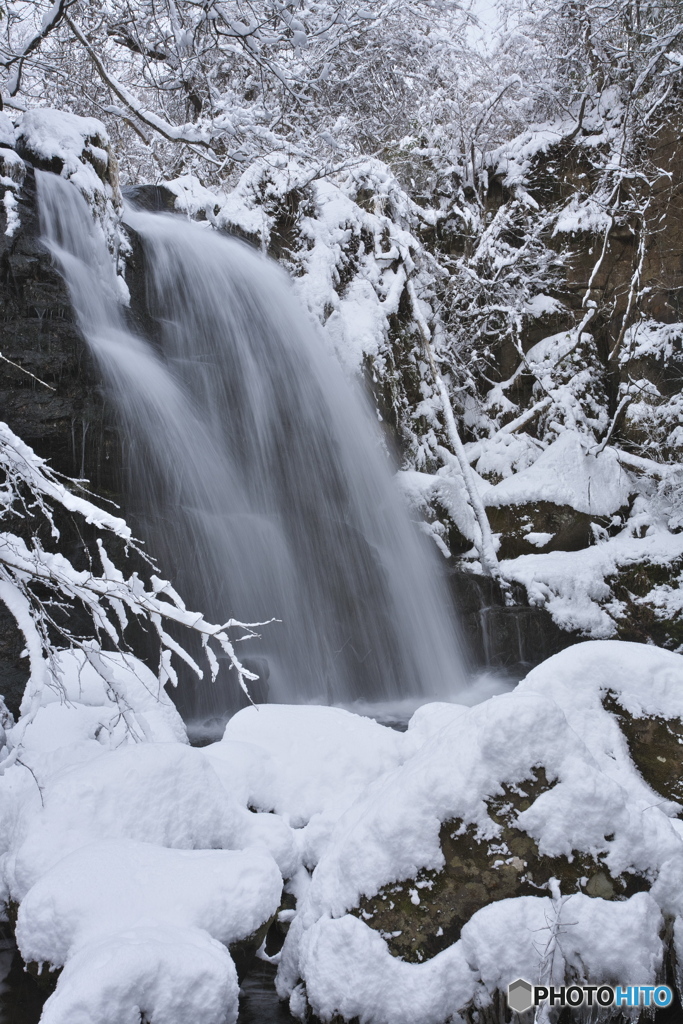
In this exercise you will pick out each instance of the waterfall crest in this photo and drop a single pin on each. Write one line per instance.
(256, 469)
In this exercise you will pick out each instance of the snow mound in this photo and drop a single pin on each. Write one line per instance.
(166, 794)
(349, 971)
(314, 762)
(136, 868)
(322, 757)
(107, 888)
(566, 474)
(82, 705)
(169, 974)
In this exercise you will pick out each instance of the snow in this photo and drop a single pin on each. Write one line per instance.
(349, 971)
(12, 169)
(338, 240)
(135, 866)
(171, 974)
(163, 793)
(319, 755)
(445, 486)
(567, 474)
(110, 887)
(313, 763)
(582, 215)
(7, 132)
(514, 159)
(93, 856)
(539, 540)
(11, 213)
(651, 339)
(192, 198)
(543, 305)
(84, 697)
(504, 455)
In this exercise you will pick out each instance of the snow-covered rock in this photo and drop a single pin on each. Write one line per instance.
(124, 897)
(75, 147)
(80, 705)
(532, 835)
(508, 824)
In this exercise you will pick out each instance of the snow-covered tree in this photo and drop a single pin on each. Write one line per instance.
(215, 84)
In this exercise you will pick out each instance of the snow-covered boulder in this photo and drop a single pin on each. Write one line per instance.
(79, 705)
(75, 147)
(508, 824)
(137, 872)
(122, 900)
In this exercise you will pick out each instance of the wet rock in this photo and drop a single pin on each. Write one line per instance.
(244, 952)
(513, 637)
(280, 926)
(152, 198)
(13, 668)
(50, 392)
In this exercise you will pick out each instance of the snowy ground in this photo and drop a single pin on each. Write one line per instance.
(135, 865)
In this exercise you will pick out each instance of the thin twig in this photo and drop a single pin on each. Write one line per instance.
(24, 370)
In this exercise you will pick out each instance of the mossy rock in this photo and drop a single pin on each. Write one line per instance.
(422, 916)
(656, 748)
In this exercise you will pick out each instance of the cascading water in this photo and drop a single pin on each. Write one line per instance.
(260, 477)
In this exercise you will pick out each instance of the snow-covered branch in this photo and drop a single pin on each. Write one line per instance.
(41, 588)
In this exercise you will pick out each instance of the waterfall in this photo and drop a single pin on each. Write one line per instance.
(257, 473)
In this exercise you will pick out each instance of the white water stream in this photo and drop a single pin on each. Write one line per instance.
(256, 471)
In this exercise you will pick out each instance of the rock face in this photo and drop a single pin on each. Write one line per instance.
(50, 392)
(655, 744)
(498, 635)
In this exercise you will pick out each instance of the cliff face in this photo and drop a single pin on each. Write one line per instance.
(606, 355)
(50, 391)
